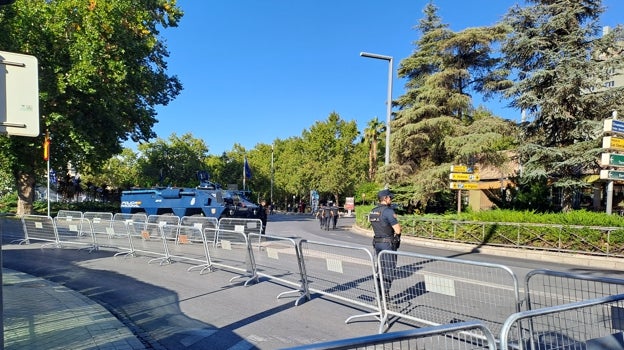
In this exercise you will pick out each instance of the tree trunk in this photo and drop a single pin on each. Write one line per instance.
(566, 203)
(26, 193)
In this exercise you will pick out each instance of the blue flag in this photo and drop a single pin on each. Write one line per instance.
(247, 169)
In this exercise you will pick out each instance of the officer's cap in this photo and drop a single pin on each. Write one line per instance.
(383, 193)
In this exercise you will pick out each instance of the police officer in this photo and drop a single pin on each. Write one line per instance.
(263, 215)
(320, 214)
(328, 215)
(387, 232)
(334, 215)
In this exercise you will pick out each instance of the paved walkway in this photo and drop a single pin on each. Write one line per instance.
(39, 314)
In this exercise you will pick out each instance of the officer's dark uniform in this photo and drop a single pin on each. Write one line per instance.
(263, 215)
(321, 214)
(382, 218)
(334, 216)
(327, 216)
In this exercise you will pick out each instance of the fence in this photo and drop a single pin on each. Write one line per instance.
(191, 248)
(429, 291)
(458, 336)
(341, 272)
(39, 228)
(278, 258)
(432, 290)
(605, 241)
(231, 250)
(546, 288)
(75, 230)
(594, 324)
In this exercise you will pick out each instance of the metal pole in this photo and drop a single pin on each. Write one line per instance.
(388, 112)
(272, 175)
(48, 193)
(609, 197)
(389, 98)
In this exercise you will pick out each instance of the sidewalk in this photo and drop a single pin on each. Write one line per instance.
(167, 307)
(39, 314)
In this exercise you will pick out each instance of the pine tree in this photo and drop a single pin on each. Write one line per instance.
(558, 63)
(437, 124)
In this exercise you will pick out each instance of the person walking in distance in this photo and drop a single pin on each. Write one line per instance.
(334, 215)
(387, 235)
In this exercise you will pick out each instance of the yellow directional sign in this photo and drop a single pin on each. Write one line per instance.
(464, 177)
(612, 142)
(464, 186)
(463, 169)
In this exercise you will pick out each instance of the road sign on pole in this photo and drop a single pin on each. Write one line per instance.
(464, 186)
(464, 177)
(19, 94)
(612, 159)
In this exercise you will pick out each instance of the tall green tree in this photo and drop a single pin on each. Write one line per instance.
(102, 71)
(172, 162)
(328, 148)
(372, 133)
(559, 62)
(437, 124)
(119, 172)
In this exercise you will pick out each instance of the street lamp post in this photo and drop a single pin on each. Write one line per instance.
(389, 101)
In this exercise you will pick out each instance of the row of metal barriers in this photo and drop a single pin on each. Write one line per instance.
(451, 303)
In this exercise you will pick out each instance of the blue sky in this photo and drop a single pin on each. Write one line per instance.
(254, 71)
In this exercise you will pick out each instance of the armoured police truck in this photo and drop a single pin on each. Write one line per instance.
(208, 199)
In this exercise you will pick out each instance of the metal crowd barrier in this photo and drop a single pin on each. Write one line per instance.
(39, 228)
(593, 324)
(123, 224)
(278, 258)
(11, 228)
(75, 230)
(189, 245)
(191, 248)
(458, 336)
(341, 272)
(100, 225)
(148, 238)
(231, 250)
(69, 214)
(433, 290)
(241, 225)
(546, 288)
(566, 311)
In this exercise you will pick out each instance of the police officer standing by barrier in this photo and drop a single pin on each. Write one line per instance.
(387, 232)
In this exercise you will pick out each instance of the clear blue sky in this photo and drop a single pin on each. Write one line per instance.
(254, 71)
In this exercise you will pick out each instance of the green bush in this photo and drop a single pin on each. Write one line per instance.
(8, 204)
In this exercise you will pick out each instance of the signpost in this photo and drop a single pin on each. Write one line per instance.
(464, 186)
(612, 159)
(612, 141)
(463, 173)
(349, 205)
(19, 94)
(611, 175)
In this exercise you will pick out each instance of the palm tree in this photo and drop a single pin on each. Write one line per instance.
(371, 136)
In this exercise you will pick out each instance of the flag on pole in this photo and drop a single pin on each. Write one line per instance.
(46, 146)
(247, 169)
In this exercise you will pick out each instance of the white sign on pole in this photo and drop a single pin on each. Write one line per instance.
(19, 94)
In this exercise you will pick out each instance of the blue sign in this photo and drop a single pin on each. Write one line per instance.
(618, 126)
(52, 176)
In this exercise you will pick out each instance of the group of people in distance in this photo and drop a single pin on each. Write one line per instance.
(328, 216)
